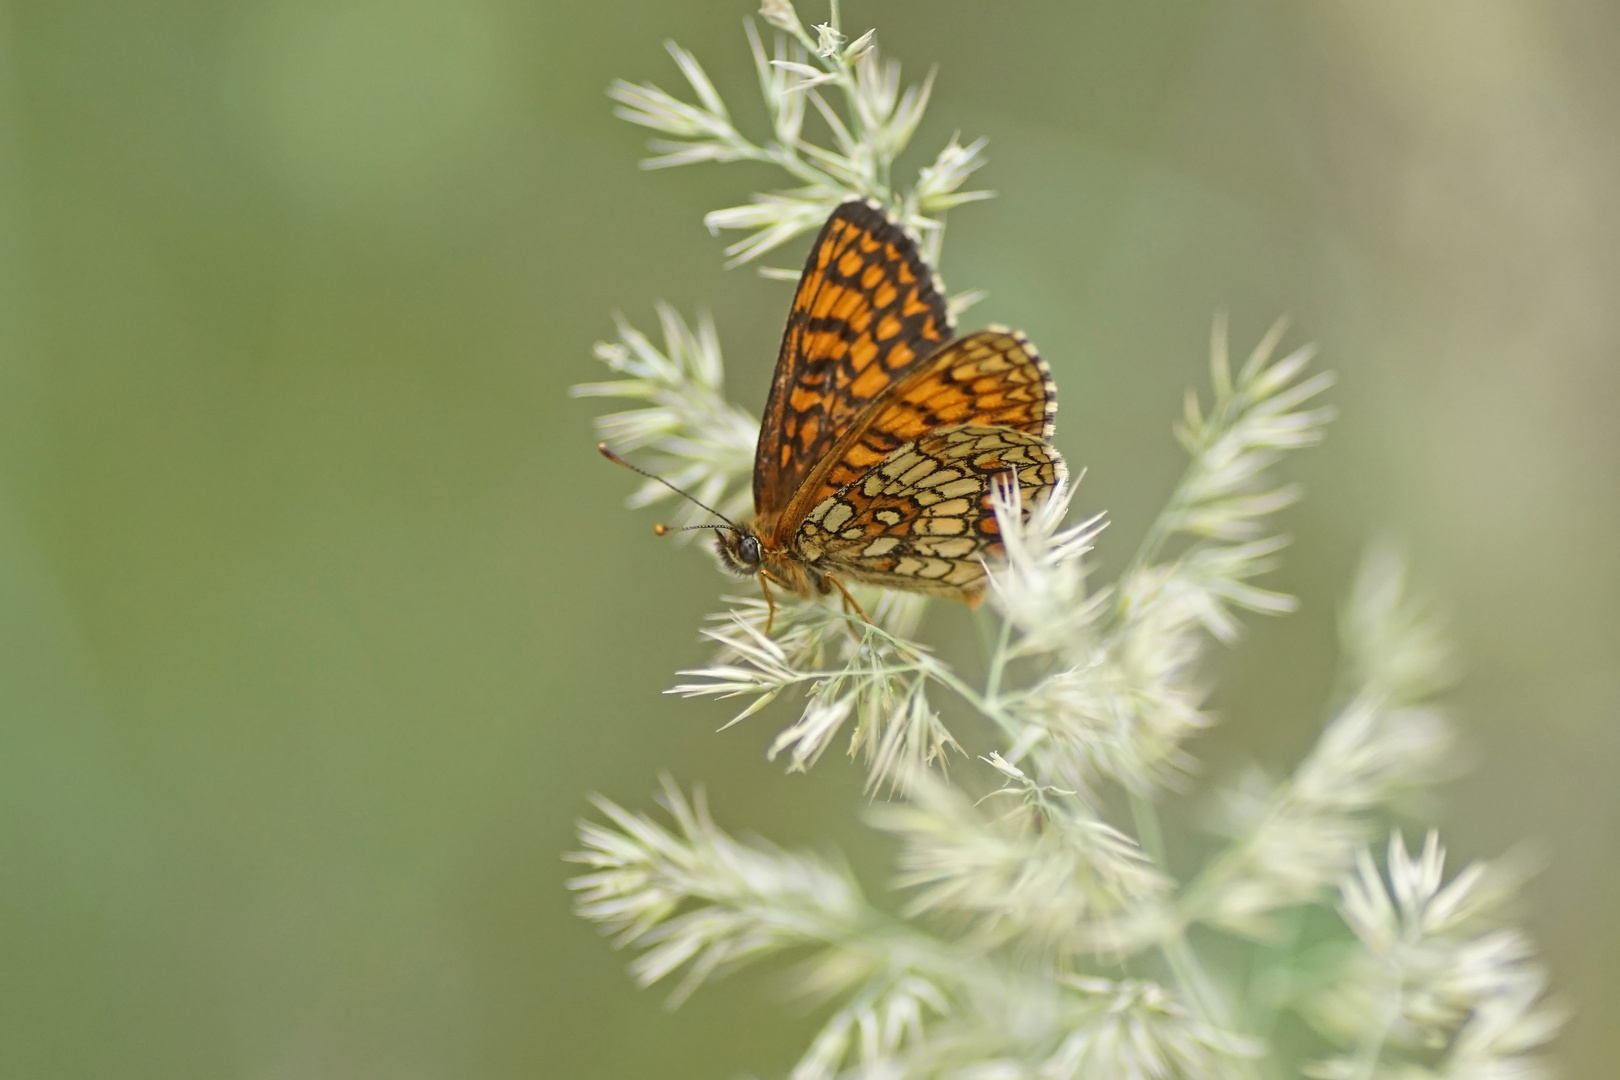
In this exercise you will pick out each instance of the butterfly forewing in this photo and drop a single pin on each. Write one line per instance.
(993, 378)
(866, 310)
(922, 518)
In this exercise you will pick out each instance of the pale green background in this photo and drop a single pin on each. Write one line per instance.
(319, 617)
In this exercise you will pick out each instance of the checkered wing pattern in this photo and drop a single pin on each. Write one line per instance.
(921, 520)
(993, 378)
(867, 309)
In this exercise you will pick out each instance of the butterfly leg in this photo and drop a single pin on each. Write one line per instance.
(849, 601)
(770, 602)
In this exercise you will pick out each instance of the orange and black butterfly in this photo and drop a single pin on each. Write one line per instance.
(882, 437)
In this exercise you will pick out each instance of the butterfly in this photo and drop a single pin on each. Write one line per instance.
(882, 436)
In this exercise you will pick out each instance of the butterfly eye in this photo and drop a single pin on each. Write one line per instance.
(749, 550)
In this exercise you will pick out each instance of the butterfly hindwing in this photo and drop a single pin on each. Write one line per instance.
(865, 311)
(921, 519)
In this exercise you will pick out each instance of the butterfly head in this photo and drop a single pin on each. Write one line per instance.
(740, 550)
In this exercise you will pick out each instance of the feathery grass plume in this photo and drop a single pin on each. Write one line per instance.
(757, 900)
(857, 96)
(1039, 864)
(1125, 693)
(1045, 933)
(699, 440)
(1295, 840)
(1437, 969)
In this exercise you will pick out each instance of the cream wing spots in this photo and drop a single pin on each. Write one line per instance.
(922, 520)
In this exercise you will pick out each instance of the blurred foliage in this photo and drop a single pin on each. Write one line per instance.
(319, 617)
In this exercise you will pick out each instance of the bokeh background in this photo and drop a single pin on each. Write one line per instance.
(319, 617)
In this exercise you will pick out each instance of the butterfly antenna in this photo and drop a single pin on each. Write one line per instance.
(602, 448)
(665, 530)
